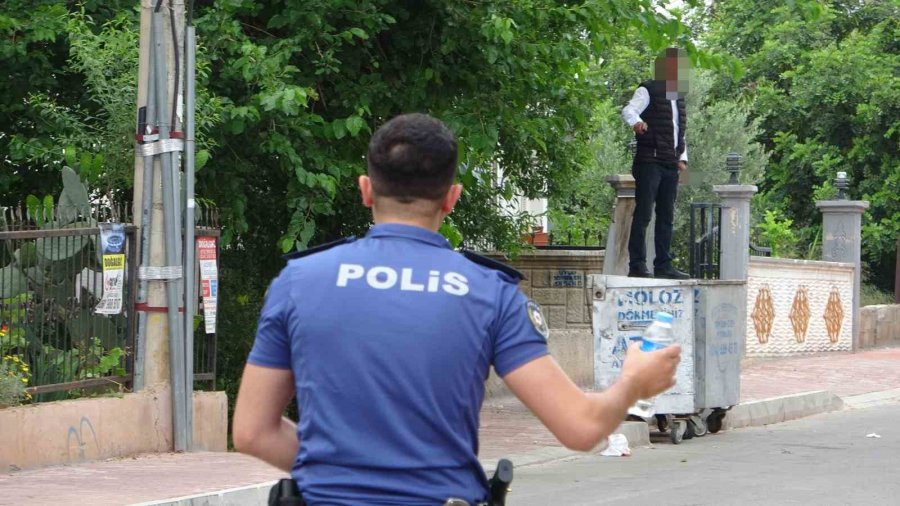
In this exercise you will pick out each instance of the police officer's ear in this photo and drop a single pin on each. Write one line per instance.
(451, 198)
(365, 190)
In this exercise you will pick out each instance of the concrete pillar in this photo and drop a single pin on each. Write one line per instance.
(841, 227)
(897, 274)
(650, 239)
(615, 262)
(734, 257)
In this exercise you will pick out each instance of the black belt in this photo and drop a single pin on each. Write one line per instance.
(286, 493)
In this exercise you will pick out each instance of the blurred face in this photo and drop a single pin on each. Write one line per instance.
(673, 67)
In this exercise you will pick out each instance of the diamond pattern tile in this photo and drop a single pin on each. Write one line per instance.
(800, 314)
(834, 315)
(763, 314)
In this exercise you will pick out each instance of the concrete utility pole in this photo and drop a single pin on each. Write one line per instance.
(158, 364)
(897, 275)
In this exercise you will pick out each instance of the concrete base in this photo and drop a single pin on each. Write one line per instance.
(83, 430)
(573, 350)
(879, 326)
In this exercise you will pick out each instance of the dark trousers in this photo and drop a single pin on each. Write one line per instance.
(655, 184)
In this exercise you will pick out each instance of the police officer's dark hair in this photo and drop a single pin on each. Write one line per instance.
(411, 157)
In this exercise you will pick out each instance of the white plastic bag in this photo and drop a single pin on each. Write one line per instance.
(617, 446)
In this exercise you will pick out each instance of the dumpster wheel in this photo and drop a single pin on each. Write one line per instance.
(697, 426)
(662, 423)
(677, 430)
(714, 421)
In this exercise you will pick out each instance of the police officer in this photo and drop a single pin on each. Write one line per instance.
(387, 340)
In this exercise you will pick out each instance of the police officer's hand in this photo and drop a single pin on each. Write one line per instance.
(650, 373)
(640, 127)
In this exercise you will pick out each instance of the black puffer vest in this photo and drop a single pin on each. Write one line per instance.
(657, 143)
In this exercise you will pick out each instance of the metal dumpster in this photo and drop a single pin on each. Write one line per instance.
(709, 325)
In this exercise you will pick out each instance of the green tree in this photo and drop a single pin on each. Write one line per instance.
(824, 76)
(35, 52)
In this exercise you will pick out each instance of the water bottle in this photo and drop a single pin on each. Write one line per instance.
(657, 336)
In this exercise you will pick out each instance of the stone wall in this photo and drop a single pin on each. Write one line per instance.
(799, 306)
(879, 326)
(556, 279)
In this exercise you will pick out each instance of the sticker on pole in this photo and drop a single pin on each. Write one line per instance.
(112, 249)
(209, 280)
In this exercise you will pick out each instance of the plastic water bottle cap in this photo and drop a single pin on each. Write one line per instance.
(663, 317)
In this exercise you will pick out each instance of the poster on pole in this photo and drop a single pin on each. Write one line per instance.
(209, 280)
(112, 249)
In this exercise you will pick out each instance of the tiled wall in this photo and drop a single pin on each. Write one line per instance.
(798, 306)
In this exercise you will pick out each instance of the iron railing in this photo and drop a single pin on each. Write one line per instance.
(50, 282)
(546, 241)
(570, 241)
(205, 345)
(760, 250)
(705, 240)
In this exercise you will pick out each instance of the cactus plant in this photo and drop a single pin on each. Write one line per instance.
(46, 306)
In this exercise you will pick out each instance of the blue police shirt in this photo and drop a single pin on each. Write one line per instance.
(390, 339)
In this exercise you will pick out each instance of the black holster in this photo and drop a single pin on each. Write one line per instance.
(286, 493)
(498, 485)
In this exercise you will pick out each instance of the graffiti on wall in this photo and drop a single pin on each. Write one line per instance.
(78, 440)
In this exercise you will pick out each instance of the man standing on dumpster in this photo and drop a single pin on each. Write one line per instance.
(387, 340)
(657, 115)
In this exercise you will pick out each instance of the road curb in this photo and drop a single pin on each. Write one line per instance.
(251, 495)
(637, 434)
(872, 399)
(782, 409)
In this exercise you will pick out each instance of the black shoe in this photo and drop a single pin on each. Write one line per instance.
(670, 273)
(640, 272)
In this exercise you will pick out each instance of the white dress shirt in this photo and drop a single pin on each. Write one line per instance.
(631, 113)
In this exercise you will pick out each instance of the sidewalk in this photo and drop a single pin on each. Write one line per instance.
(843, 374)
(507, 428)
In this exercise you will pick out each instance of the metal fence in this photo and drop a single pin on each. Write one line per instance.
(569, 241)
(760, 250)
(205, 345)
(50, 282)
(586, 241)
(705, 240)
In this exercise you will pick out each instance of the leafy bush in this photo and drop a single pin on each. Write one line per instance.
(13, 381)
(871, 295)
(776, 231)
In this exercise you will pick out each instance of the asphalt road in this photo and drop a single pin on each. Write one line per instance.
(822, 460)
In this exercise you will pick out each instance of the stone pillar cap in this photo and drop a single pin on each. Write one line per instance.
(619, 180)
(735, 190)
(842, 206)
